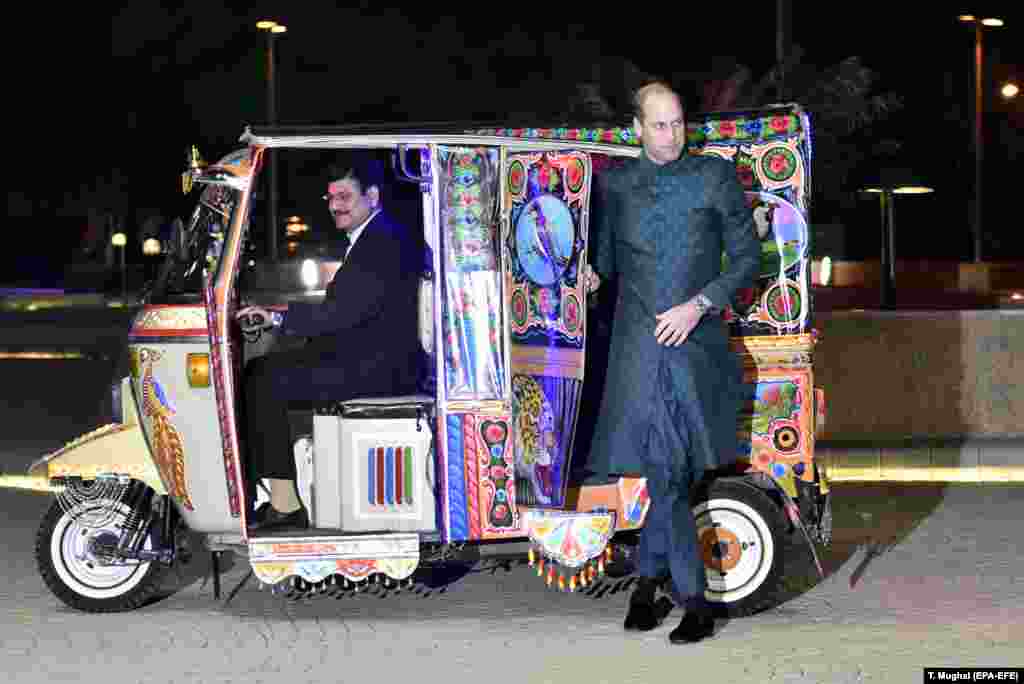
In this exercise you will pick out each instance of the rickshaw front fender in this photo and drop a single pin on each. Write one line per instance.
(116, 448)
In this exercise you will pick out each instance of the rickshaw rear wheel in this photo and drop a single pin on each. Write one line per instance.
(77, 575)
(741, 535)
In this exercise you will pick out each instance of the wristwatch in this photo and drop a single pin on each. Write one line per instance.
(703, 304)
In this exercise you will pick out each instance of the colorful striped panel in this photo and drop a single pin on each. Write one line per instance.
(458, 529)
(380, 475)
(371, 476)
(407, 470)
(399, 480)
(389, 476)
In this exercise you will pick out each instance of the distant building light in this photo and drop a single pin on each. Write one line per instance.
(825, 273)
(310, 274)
(962, 17)
(992, 22)
(119, 239)
(912, 190)
(151, 247)
(1017, 296)
(1010, 90)
(296, 226)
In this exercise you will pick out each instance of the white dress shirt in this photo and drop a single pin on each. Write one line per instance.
(354, 235)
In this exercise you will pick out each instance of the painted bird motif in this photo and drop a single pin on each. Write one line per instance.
(170, 455)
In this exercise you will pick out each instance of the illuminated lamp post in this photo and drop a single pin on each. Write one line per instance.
(119, 241)
(978, 127)
(887, 182)
(272, 29)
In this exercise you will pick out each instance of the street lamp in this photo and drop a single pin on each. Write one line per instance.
(120, 240)
(887, 182)
(1010, 91)
(975, 209)
(272, 29)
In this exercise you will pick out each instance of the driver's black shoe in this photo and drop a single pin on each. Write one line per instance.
(269, 518)
(692, 628)
(260, 514)
(644, 612)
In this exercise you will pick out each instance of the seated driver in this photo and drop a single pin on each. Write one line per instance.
(364, 339)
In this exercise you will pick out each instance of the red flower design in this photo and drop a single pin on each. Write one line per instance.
(574, 173)
(727, 129)
(495, 433)
(778, 164)
(542, 176)
(780, 124)
(572, 314)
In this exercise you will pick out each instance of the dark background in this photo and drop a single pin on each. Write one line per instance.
(103, 106)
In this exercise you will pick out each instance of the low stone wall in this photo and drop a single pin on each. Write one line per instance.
(927, 275)
(922, 395)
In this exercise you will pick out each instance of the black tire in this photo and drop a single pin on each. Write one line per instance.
(72, 573)
(742, 537)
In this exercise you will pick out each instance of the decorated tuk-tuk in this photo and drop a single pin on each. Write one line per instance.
(480, 463)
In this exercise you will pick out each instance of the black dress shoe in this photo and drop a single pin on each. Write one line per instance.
(643, 617)
(273, 519)
(692, 628)
(260, 514)
(644, 612)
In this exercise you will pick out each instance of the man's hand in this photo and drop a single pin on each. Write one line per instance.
(253, 318)
(591, 280)
(675, 325)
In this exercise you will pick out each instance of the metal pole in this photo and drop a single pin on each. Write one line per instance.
(271, 154)
(976, 213)
(888, 265)
(783, 31)
(124, 271)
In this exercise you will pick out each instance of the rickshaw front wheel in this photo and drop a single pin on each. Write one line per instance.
(741, 534)
(70, 560)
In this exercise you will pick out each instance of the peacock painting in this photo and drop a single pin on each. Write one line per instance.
(167, 446)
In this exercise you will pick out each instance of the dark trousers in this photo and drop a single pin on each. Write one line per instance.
(272, 383)
(668, 541)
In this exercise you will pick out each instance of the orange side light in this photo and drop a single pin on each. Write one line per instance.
(197, 367)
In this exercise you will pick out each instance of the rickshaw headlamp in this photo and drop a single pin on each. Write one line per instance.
(197, 367)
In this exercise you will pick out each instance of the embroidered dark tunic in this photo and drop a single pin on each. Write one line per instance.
(662, 232)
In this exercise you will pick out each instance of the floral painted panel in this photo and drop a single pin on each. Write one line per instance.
(771, 151)
(473, 337)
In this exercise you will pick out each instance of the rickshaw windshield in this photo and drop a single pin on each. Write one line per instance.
(204, 236)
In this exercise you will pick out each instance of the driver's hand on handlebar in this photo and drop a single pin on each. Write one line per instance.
(253, 318)
(591, 280)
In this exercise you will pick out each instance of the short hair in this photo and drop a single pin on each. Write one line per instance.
(643, 92)
(365, 169)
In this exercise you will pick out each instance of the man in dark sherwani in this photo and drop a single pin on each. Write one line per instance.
(363, 338)
(671, 399)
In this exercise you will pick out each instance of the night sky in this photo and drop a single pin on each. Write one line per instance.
(103, 102)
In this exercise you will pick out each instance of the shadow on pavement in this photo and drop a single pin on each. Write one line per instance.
(868, 521)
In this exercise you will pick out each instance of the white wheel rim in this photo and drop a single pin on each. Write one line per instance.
(78, 568)
(755, 547)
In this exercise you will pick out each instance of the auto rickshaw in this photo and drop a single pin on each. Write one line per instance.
(479, 465)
